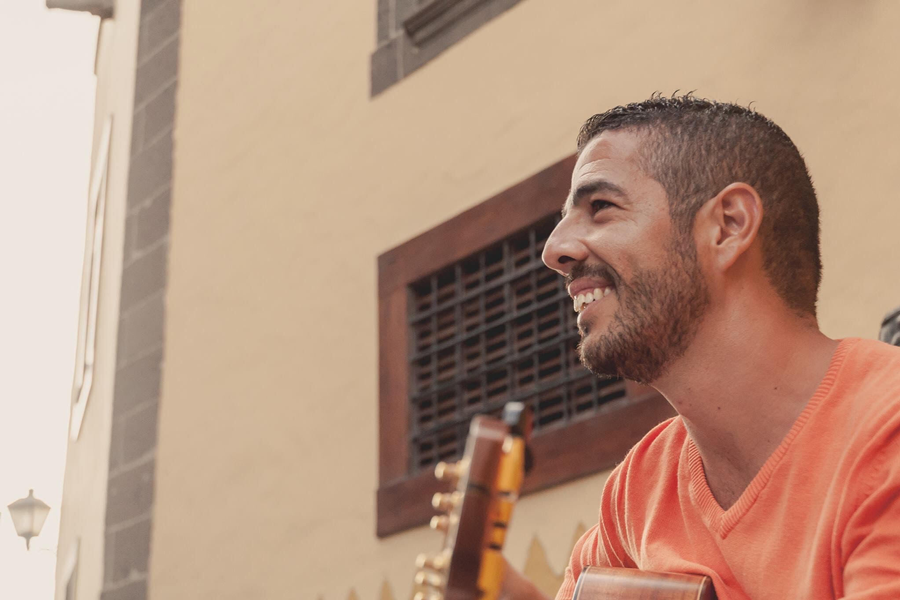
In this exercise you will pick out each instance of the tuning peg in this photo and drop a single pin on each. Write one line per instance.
(440, 522)
(438, 563)
(446, 502)
(429, 579)
(446, 471)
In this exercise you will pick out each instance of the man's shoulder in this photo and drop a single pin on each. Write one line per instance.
(870, 379)
(659, 451)
(874, 352)
(669, 436)
(860, 417)
(873, 357)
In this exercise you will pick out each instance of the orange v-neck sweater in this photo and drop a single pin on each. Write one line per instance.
(820, 520)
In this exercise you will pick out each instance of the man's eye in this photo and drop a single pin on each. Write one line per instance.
(598, 205)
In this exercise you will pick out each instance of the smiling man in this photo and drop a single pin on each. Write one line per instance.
(690, 246)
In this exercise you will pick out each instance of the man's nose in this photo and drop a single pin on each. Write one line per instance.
(564, 248)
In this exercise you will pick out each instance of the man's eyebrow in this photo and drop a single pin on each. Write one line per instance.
(589, 188)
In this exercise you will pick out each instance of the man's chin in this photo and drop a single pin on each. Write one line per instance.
(593, 357)
(594, 326)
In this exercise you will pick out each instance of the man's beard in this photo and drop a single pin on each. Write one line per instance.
(657, 317)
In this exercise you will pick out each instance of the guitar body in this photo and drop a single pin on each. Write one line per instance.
(598, 583)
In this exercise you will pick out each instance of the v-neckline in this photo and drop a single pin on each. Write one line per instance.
(722, 521)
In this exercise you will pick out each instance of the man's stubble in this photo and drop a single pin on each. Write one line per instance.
(658, 315)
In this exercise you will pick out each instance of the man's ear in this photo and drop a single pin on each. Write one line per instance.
(730, 223)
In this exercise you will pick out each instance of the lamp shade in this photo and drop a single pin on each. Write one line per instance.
(28, 516)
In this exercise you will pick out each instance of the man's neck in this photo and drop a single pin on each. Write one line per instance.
(739, 389)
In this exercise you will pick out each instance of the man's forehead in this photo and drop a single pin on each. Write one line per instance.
(612, 155)
(611, 163)
(617, 149)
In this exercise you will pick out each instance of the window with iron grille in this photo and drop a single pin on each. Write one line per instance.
(495, 327)
(470, 318)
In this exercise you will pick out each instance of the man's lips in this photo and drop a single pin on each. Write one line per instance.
(587, 284)
(584, 312)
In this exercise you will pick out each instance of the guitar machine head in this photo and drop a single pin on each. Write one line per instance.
(484, 485)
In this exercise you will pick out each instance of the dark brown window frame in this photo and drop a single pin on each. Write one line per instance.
(585, 447)
(413, 32)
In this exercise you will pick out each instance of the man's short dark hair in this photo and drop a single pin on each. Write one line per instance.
(696, 147)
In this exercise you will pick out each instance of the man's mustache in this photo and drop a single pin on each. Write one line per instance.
(594, 270)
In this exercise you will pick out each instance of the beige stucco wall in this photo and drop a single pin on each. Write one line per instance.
(83, 511)
(289, 181)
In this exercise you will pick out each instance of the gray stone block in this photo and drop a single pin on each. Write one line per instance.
(386, 66)
(130, 494)
(136, 590)
(141, 329)
(138, 383)
(151, 171)
(158, 27)
(160, 114)
(144, 277)
(152, 221)
(156, 72)
(131, 552)
(140, 433)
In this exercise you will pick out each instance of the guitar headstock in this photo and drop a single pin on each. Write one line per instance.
(484, 484)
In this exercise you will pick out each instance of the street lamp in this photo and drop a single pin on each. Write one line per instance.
(28, 516)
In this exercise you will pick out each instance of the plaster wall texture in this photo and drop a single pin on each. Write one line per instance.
(289, 181)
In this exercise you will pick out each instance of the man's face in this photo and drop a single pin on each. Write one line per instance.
(616, 236)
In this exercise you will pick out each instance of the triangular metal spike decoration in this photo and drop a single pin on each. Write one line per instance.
(28, 516)
(386, 591)
(538, 570)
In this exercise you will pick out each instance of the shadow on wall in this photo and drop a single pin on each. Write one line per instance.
(537, 568)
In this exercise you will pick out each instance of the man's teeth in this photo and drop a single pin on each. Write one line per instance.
(582, 300)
